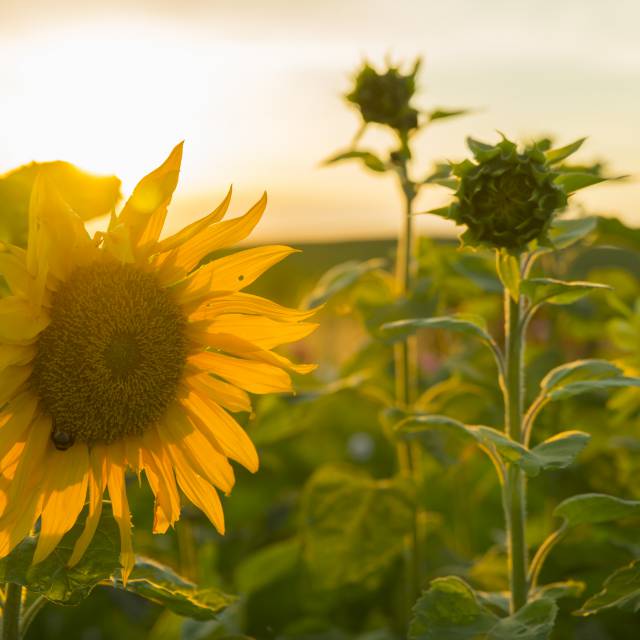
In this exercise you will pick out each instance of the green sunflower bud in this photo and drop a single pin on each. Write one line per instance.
(385, 98)
(506, 198)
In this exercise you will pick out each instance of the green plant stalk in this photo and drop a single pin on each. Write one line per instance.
(11, 612)
(406, 384)
(515, 482)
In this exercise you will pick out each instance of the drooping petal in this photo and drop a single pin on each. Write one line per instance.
(12, 380)
(225, 394)
(145, 211)
(177, 431)
(175, 266)
(255, 377)
(230, 273)
(120, 506)
(66, 481)
(197, 489)
(15, 419)
(162, 480)
(26, 492)
(263, 332)
(195, 227)
(97, 479)
(217, 425)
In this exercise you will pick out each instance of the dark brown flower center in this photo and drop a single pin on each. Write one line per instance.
(110, 361)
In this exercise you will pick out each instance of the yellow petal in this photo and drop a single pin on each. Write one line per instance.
(145, 211)
(16, 354)
(13, 268)
(97, 481)
(120, 506)
(195, 227)
(66, 478)
(230, 397)
(231, 273)
(19, 323)
(198, 490)
(175, 266)
(255, 377)
(219, 427)
(260, 331)
(246, 303)
(177, 431)
(57, 237)
(15, 419)
(12, 380)
(158, 463)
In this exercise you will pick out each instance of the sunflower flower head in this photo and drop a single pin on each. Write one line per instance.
(505, 197)
(123, 351)
(385, 98)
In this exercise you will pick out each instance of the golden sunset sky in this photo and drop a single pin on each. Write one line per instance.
(254, 87)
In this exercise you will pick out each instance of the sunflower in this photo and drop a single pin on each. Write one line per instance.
(120, 352)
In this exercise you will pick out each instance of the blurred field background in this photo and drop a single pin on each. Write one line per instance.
(255, 89)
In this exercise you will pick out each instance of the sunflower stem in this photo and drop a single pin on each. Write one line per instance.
(406, 384)
(11, 612)
(515, 482)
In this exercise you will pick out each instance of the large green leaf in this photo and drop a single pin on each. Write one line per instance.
(52, 578)
(267, 565)
(467, 324)
(160, 584)
(584, 376)
(621, 590)
(451, 610)
(593, 508)
(564, 233)
(540, 290)
(340, 278)
(555, 453)
(560, 450)
(352, 525)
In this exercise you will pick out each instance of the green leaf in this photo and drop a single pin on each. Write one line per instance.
(559, 590)
(340, 278)
(441, 114)
(467, 324)
(557, 155)
(442, 176)
(564, 233)
(584, 376)
(267, 565)
(160, 584)
(495, 441)
(508, 268)
(593, 508)
(353, 526)
(52, 578)
(560, 450)
(534, 621)
(451, 610)
(621, 590)
(540, 290)
(370, 160)
(572, 182)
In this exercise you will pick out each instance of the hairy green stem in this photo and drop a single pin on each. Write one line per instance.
(31, 612)
(11, 612)
(405, 387)
(515, 482)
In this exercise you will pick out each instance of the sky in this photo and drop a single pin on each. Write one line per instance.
(255, 88)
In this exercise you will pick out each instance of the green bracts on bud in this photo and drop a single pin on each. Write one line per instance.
(385, 98)
(506, 198)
